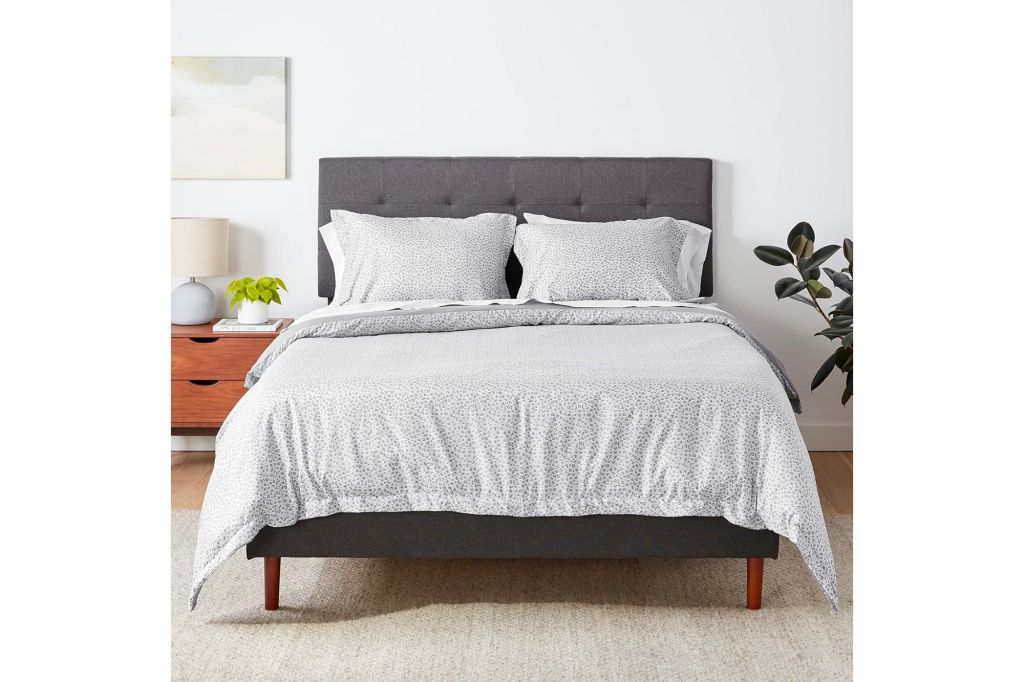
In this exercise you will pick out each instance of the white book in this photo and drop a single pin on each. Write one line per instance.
(228, 325)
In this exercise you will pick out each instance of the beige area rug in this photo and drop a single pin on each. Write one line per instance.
(423, 619)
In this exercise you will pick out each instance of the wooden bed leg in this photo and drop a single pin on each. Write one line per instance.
(755, 576)
(271, 582)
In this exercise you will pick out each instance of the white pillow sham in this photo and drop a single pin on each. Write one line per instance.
(337, 260)
(633, 260)
(691, 257)
(408, 259)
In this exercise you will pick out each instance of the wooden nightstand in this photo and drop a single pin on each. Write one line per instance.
(208, 373)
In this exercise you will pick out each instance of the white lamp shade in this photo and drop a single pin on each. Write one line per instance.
(199, 247)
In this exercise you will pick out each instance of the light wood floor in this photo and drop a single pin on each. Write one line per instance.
(190, 472)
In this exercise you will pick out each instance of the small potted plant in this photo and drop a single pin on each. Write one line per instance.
(253, 297)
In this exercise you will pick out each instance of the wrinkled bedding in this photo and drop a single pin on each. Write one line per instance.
(528, 409)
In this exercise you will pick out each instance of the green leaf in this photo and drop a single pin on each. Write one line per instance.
(252, 293)
(280, 283)
(848, 393)
(245, 281)
(842, 320)
(802, 247)
(787, 286)
(831, 333)
(821, 255)
(813, 273)
(823, 371)
(801, 240)
(803, 299)
(238, 298)
(265, 282)
(848, 252)
(848, 340)
(844, 358)
(275, 297)
(266, 295)
(844, 307)
(773, 255)
(841, 280)
(818, 290)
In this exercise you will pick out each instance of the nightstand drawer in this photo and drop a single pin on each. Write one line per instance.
(196, 404)
(214, 358)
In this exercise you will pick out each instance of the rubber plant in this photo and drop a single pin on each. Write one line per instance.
(262, 290)
(809, 290)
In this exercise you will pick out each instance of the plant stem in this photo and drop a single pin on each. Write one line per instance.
(815, 301)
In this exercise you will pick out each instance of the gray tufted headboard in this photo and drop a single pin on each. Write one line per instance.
(563, 187)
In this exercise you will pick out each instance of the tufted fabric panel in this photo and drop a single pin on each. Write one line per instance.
(596, 189)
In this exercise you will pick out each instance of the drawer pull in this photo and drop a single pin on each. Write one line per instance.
(204, 382)
(203, 339)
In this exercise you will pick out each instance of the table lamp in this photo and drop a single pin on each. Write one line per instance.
(199, 248)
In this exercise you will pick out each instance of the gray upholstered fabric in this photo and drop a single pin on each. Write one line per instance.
(450, 534)
(592, 189)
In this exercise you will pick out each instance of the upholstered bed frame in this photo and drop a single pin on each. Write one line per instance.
(575, 188)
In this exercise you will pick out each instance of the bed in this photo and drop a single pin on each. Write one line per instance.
(720, 477)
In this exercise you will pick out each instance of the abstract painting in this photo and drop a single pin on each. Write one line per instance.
(228, 117)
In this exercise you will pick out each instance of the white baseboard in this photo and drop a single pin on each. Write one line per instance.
(191, 443)
(817, 437)
(828, 436)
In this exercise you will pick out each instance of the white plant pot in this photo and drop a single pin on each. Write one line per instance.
(250, 312)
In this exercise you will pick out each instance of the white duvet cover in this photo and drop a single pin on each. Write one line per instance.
(528, 409)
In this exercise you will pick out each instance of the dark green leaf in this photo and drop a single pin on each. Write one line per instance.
(822, 255)
(813, 273)
(801, 239)
(844, 307)
(841, 280)
(842, 320)
(848, 340)
(787, 286)
(818, 290)
(803, 299)
(773, 255)
(848, 252)
(844, 358)
(823, 371)
(831, 333)
(848, 393)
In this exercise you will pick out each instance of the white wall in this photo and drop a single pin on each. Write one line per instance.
(764, 88)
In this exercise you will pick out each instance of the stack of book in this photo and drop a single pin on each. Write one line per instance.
(227, 325)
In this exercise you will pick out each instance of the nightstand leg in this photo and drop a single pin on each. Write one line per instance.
(271, 582)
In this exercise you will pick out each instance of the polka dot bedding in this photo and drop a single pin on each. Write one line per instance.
(404, 259)
(626, 259)
(520, 410)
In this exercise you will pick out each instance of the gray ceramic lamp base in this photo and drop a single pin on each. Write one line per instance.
(192, 303)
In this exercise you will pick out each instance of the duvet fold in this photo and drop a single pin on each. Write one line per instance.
(519, 410)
